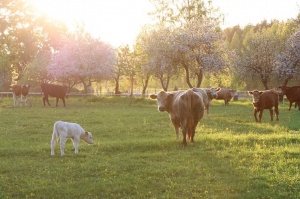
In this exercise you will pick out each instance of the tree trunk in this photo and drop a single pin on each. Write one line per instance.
(265, 83)
(117, 87)
(199, 78)
(164, 86)
(131, 86)
(85, 86)
(187, 75)
(145, 85)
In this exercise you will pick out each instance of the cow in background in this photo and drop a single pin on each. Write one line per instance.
(20, 94)
(264, 100)
(292, 94)
(57, 91)
(207, 95)
(226, 95)
(185, 109)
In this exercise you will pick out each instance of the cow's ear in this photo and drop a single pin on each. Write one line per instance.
(86, 133)
(218, 89)
(153, 96)
(261, 92)
(250, 92)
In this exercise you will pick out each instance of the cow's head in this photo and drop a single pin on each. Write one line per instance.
(163, 100)
(87, 137)
(284, 89)
(212, 92)
(256, 95)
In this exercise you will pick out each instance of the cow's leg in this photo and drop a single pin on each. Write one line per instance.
(53, 143)
(75, 144)
(63, 99)
(177, 132)
(62, 145)
(207, 111)
(271, 114)
(193, 130)
(24, 100)
(45, 98)
(184, 133)
(260, 114)
(15, 100)
(57, 101)
(290, 106)
(255, 114)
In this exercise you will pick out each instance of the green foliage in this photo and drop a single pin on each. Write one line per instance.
(136, 154)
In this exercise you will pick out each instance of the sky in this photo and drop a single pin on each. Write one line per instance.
(118, 22)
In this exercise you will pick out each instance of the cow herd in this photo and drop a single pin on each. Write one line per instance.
(185, 107)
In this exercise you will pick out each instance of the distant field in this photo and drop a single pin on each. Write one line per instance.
(136, 154)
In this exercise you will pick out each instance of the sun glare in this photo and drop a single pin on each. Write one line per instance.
(115, 21)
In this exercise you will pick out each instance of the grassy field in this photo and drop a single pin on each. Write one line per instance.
(136, 154)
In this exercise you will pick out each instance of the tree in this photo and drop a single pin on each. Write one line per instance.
(145, 71)
(128, 60)
(201, 49)
(193, 37)
(258, 59)
(83, 59)
(288, 62)
(23, 33)
(36, 70)
(163, 61)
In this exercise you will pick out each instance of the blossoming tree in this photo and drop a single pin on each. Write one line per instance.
(83, 60)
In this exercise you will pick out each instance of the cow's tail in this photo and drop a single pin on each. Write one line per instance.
(190, 108)
(55, 135)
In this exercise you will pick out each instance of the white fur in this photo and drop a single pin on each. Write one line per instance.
(63, 130)
(17, 100)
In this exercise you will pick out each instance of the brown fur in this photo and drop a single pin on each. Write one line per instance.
(265, 100)
(292, 94)
(185, 109)
(226, 95)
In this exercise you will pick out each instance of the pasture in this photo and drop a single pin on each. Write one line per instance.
(136, 154)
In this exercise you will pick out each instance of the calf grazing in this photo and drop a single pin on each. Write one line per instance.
(185, 109)
(265, 100)
(20, 94)
(226, 95)
(292, 94)
(54, 91)
(64, 130)
(207, 95)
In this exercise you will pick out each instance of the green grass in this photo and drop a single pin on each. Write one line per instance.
(136, 154)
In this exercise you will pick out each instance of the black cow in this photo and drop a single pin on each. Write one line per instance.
(54, 91)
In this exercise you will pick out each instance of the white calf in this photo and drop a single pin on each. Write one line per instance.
(64, 130)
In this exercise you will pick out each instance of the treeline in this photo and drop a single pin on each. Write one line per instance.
(186, 47)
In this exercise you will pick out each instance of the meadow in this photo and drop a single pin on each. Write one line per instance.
(136, 155)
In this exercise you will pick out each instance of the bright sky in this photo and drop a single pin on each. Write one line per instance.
(119, 21)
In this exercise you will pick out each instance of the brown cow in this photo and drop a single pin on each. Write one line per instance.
(265, 100)
(185, 109)
(226, 95)
(54, 91)
(20, 94)
(292, 94)
(207, 95)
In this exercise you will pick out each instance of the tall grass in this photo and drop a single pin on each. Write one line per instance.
(136, 154)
